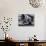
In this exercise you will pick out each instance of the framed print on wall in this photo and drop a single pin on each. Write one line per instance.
(26, 20)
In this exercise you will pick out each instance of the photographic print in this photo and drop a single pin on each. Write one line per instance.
(26, 20)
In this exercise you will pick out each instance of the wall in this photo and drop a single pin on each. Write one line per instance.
(12, 8)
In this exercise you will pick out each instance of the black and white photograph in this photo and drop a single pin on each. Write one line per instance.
(26, 20)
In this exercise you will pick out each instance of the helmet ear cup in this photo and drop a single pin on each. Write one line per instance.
(35, 3)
